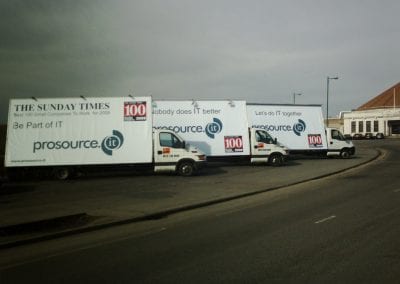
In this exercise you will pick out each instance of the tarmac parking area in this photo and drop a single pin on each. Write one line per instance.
(111, 198)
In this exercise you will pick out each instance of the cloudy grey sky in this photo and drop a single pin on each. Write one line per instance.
(260, 51)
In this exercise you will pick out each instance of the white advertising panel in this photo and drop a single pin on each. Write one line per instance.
(297, 127)
(78, 131)
(218, 128)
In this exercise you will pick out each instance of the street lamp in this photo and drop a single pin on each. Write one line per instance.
(294, 97)
(327, 97)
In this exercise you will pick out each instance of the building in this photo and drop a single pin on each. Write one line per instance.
(380, 115)
(335, 123)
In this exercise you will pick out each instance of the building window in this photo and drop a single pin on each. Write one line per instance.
(368, 126)
(376, 126)
(353, 127)
(361, 126)
(394, 126)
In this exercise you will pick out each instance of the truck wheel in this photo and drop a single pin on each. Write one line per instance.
(62, 173)
(186, 168)
(275, 160)
(345, 154)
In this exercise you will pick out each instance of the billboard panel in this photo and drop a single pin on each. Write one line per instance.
(218, 128)
(75, 131)
(298, 127)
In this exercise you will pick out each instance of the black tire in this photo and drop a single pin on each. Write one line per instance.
(275, 160)
(345, 154)
(186, 168)
(62, 173)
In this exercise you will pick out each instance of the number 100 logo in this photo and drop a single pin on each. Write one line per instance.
(135, 111)
(233, 144)
(314, 140)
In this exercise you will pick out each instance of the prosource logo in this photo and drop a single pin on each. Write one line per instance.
(113, 142)
(213, 128)
(108, 145)
(299, 127)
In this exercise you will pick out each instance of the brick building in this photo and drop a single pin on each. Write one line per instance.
(379, 115)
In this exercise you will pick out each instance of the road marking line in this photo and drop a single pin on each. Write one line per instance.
(325, 219)
(396, 190)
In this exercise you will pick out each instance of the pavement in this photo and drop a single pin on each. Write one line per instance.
(38, 210)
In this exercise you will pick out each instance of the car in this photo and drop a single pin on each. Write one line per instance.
(379, 136)
(347, 136)
(369, 135)
(358, 136)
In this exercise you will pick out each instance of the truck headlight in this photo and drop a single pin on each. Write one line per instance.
(201, 157)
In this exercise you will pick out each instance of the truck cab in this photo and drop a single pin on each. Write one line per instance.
(172, 153)
(266, 149)
(338, 145)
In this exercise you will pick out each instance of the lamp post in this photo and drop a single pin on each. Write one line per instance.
(327, 97)
(294, 97)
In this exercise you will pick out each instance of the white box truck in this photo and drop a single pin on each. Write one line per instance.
(65, 134)
(218, 128)
(301, 128)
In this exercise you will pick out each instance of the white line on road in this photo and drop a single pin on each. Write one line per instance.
(325, 219)
(396, 190)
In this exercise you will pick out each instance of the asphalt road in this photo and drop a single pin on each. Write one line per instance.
(339, 229)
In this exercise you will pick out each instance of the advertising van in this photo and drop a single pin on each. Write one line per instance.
(219, 128)
(64, 135)
(301, 128)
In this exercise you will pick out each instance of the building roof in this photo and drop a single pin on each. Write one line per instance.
(387, 99)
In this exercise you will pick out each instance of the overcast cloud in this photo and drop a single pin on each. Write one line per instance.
(260, 51)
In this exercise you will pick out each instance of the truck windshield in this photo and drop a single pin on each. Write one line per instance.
(170, 140)
(263, 136)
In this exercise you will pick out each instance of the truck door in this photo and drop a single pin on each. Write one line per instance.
(335, 139)
(168, 148)
(260, 142)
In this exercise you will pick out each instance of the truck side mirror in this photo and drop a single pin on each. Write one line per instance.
(275, 141)
(183, 144)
